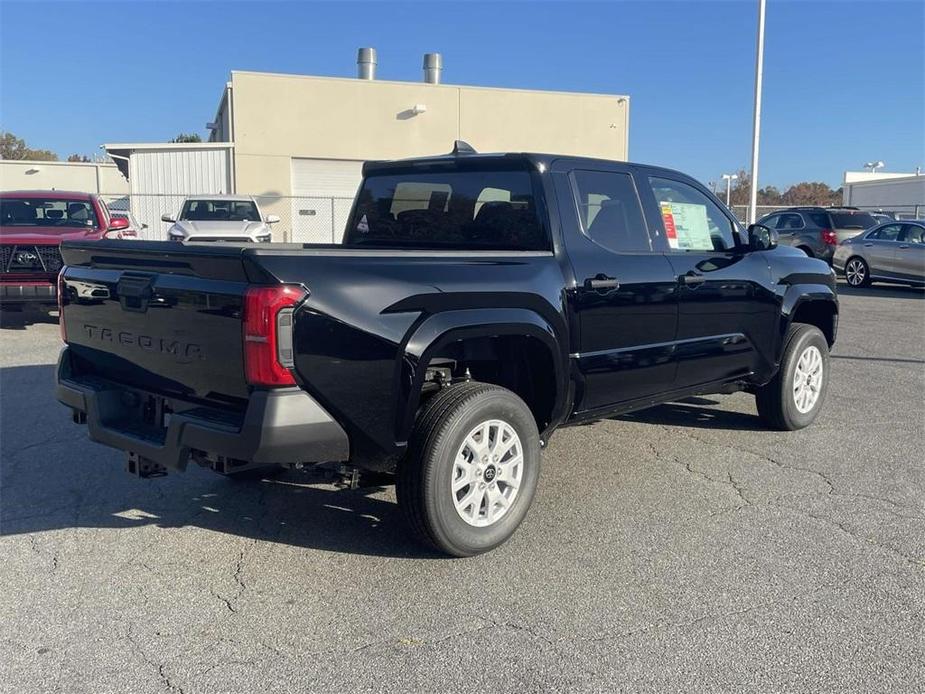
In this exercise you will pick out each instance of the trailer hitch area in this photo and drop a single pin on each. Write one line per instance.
(143, 467)
(344, 477)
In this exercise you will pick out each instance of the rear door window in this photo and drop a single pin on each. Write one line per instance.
(693, 222)
(609, 210)
(820, 219)
(452, 210)
(912, 233)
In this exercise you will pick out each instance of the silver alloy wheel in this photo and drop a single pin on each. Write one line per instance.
(487, 472)
(855, 272)
(807, 379)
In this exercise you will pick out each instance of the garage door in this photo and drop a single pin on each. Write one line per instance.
(323, 191)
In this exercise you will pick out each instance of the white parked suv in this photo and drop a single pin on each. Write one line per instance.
(220, 218)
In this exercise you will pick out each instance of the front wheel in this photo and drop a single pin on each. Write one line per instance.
(472, 469)
(793, 398)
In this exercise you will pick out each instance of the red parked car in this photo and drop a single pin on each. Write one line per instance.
(33, 224)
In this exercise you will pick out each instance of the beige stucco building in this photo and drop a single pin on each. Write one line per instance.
(300, 141)
(297, 143)
(94, 177)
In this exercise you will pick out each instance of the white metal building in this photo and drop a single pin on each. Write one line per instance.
(160, 175)
(900, 194)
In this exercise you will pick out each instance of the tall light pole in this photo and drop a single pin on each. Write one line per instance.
(756, 123)
(729, 178)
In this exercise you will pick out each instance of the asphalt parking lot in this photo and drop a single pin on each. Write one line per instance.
(680, 548)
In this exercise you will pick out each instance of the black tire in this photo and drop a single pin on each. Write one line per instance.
(424, 477)
(807, 251)
(862, 267)
(776, 403)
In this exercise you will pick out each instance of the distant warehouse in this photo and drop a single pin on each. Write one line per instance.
(902, 195)
(298, 142)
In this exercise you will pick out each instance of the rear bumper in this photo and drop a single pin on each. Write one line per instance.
(28, 293)
(284, 425)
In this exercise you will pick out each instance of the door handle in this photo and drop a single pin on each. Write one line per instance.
(602, 281)
(692, 278)
(905, 245)
(868, 245)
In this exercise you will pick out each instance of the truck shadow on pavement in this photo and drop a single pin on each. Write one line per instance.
(694, 412)
(53, 477)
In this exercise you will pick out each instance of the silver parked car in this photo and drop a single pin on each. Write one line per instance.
(220, 218)
(891, 252)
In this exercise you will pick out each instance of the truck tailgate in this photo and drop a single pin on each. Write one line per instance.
(158, 315)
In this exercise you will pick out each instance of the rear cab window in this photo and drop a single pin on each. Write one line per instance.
(448, 209)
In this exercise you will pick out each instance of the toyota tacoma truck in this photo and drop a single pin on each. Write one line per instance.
(477, 303)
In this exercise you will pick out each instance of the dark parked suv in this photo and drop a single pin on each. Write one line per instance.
(818, 230)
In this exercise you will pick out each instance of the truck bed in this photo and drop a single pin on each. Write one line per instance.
(167, 317)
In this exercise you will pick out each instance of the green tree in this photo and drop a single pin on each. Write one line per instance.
(187, 137)
(80, 158)
(12, 147)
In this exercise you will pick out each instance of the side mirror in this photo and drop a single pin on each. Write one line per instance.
(168, 218)
(117, 224)
(272, 219)
(761, 238)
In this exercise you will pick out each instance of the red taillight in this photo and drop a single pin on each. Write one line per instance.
(61, 327)
(829, 237)
(267, 333)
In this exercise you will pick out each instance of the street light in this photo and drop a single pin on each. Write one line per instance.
(729, 178)
(756, 122)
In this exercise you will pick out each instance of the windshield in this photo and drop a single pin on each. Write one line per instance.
(853, 220)
(45, 212)
(471, 209)
(220, 211)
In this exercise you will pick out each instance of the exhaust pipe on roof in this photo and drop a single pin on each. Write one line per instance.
(366, 63)
(433, 67)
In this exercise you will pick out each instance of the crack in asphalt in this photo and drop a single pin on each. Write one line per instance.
(35, 548)
(831, 490)
(159, 667)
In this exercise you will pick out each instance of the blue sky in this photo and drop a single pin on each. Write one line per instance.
(844, 81)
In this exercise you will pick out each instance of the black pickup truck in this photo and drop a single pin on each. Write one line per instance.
(478, 302)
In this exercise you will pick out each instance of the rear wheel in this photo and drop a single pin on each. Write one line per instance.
(807, 251)
(857, 274)
(794, 396)
(472, 469)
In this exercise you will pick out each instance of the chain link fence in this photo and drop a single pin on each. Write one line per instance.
(302, 219)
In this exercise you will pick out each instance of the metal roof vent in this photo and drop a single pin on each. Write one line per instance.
(433, 67)
(366, 63)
